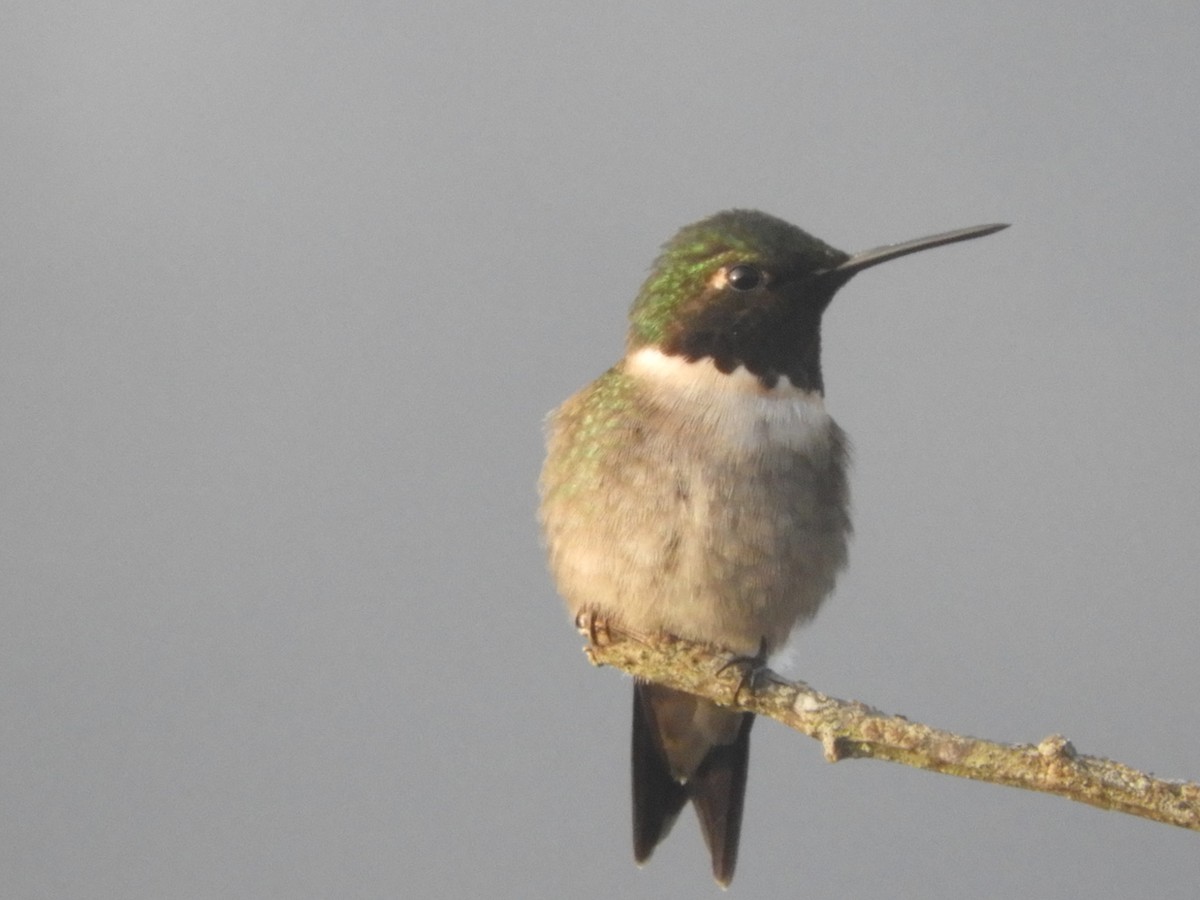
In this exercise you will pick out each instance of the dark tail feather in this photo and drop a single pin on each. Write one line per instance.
(718, 792)
(657, 797)
(717, 786)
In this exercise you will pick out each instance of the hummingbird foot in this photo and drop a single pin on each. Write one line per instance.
(753, 671)
(602, 632)
(594, 628)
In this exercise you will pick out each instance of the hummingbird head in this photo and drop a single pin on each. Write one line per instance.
(743, 288)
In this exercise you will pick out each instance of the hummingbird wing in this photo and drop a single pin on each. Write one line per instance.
(718, 792)
(686, 748)
(657, 796)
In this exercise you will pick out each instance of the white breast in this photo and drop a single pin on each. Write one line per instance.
(734, 410)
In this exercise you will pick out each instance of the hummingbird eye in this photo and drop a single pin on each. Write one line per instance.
(744, 277)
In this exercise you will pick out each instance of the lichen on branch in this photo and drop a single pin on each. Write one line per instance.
(853, 730)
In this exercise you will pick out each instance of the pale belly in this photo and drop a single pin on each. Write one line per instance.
(717, 515)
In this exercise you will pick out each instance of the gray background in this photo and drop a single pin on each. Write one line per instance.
(286, 291)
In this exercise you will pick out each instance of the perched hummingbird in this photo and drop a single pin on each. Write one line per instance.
(698, 489)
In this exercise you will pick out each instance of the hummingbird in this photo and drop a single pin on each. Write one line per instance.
(698, 488)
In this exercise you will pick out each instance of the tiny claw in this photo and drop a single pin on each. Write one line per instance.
(753, 669)
(594, 628)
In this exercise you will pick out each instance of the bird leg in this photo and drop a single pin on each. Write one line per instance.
(754, 669)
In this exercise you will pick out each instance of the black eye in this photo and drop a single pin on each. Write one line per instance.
(744, 277)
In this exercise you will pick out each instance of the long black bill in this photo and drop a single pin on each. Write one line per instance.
(868, 258)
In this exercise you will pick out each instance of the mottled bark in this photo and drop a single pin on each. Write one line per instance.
(849, 729)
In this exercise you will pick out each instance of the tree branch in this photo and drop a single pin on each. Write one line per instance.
(849, 729)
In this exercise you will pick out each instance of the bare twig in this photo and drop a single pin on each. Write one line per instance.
(853, 730)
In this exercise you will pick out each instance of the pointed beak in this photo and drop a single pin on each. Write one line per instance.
(868, 258)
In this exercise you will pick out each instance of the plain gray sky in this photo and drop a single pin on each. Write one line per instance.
(286, 290)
